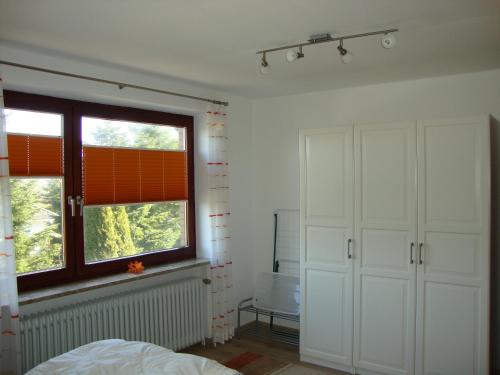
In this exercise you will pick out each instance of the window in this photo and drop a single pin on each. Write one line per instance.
(134, 175)
(95, 187)
(37, 176)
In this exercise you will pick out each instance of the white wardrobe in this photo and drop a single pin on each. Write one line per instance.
(395, 247)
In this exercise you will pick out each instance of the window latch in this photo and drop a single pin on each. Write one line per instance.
(71, 202)
(79, 201)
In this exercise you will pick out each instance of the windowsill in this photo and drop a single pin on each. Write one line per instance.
(30, 297)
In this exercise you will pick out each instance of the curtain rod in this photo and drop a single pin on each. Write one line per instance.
(121, 85)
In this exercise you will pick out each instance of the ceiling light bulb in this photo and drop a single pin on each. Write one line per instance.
(264, 65)
(346, 58)
(345, 55)
(388, 41)
(292, 55)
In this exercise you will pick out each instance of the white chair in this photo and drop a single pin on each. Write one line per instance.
(278, 296)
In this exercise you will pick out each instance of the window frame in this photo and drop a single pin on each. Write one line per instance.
(110, 112)
(72, 110)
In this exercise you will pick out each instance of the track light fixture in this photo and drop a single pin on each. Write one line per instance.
(292, 55)
(388, 41)
(264, 65)
(345, 55)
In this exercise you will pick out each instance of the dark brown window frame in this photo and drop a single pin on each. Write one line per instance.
(73, 110)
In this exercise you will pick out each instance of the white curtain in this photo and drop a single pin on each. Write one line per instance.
(9, 313)
(223, 311)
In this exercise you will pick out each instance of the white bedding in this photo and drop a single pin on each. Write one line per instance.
(122, 357)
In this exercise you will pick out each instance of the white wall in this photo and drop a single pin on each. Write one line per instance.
(276, 122)
(239, 132)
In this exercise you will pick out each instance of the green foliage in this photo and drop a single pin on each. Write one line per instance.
(123, 232)
(37, 224)
(155, 137)
(156, 226)
(118, 231)
(108, 135)
(100, 234)
(107, 233)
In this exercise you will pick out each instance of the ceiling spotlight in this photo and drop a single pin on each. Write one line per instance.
(264, 65)
(388, 41)
(292, 55)
(345, 56)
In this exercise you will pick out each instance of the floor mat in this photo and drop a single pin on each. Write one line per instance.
(250, 363)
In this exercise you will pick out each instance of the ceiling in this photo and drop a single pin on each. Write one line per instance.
(213, 43)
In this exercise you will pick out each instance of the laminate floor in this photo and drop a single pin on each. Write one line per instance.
(247, 343)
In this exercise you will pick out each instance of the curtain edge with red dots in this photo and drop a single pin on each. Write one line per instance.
(220, 273)
(9, 309)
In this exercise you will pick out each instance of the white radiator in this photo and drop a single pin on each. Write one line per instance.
(171, 316)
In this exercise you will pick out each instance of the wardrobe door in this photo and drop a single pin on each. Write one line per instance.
(326, 202)
(385, 236)
(453, 258)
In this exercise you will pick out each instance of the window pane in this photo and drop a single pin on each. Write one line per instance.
(120, 231)
(112, 133)
(38, 225)
(30, 122)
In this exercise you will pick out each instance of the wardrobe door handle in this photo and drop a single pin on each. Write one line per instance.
(412, 245)
(349, 241)
(420, 253)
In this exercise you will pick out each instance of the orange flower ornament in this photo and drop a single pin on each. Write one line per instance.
(135, 267)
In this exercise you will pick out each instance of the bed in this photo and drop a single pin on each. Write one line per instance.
(126, 358)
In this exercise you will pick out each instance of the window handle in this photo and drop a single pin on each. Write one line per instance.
(79, 201)
(71, 202)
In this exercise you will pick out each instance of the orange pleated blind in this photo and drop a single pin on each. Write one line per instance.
(98, 172)
(120, 175)
(32, 155)
(175, 175)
